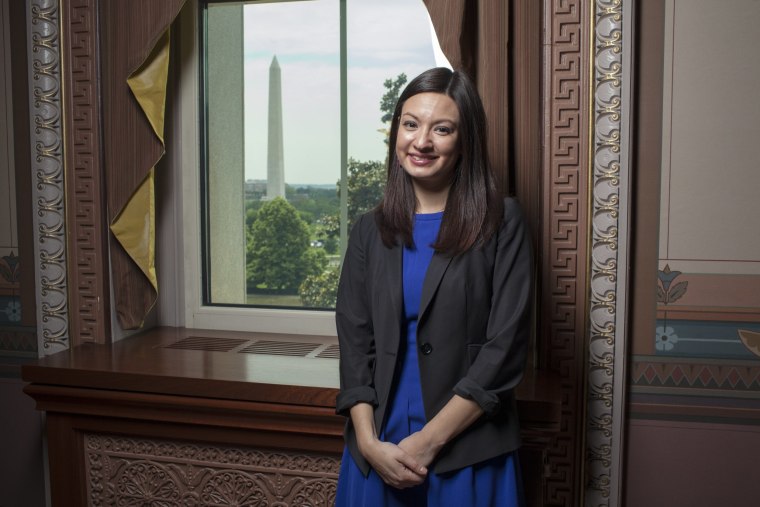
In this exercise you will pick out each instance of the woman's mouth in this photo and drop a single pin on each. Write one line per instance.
(418, 159)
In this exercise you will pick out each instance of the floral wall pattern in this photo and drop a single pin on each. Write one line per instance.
(707, 315)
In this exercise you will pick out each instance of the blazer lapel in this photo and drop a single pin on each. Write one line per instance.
(392, 268)
(438, 265)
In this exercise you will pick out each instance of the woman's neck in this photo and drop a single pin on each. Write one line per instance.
(430, 201)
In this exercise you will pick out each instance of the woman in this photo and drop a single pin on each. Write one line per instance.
(432, 316)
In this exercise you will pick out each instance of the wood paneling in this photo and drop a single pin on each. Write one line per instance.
(142, 391)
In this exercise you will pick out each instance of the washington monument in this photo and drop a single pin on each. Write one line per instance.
(275, 159)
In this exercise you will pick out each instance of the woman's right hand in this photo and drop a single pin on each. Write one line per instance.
(394, 466)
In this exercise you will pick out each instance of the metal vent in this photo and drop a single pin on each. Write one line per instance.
(298, 349)
(207, 343)
(330, 352)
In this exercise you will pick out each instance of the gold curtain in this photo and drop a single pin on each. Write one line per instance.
(134, 67)
(474, 36)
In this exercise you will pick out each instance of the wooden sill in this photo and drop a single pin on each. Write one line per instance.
(143, 364)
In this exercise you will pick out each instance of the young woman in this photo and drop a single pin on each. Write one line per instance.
(432, 316)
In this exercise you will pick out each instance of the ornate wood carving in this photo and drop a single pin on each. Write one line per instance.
(140, 471)
(48, 177)
(603, 424)
(88, 276)
(563, 238)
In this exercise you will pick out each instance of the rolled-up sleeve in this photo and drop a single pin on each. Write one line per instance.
(498, 367)
(353, 319)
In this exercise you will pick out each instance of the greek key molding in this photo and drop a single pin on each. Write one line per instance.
(605, 396)
(88, 276)
(48, 176)
(564, 217)
(140, 471)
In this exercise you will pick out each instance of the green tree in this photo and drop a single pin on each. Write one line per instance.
(320, 291)
(366, 182)
(279, 257)
(388, 102)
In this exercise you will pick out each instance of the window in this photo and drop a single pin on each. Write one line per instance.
(291, 116)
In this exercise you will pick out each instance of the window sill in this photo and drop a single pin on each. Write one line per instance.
(230, 369)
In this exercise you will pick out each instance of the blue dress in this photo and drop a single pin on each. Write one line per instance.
(488, 484)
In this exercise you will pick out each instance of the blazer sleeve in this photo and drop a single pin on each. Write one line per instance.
(353, 318)
(499, 365)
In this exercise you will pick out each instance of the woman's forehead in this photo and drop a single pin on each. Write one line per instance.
(431, 105)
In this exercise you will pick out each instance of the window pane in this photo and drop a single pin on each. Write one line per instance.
(273, 116)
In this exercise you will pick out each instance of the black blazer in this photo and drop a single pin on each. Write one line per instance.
(472, 333)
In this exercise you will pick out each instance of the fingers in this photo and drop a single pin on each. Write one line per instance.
(411, 464)
(394, 466)
(401, 477)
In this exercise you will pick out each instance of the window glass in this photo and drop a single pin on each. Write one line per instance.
(288, 123)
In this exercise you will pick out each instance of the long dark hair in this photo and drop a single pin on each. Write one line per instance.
(474, 208)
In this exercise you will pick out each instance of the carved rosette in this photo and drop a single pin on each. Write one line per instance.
(48, 176)
(601, 426)
(138, 471)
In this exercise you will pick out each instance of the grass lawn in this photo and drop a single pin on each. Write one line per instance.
(274, 300)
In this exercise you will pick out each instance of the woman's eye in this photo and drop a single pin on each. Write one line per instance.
(410, 124)
(443, 130)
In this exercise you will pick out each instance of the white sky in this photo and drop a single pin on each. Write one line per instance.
(384, 39)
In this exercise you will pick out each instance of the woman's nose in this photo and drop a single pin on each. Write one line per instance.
(422, 140)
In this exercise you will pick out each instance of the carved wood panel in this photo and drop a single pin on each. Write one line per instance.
(141, 471)
(564, 233)
(88, 274)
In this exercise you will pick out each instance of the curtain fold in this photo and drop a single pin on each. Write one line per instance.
(474, 36)
(134, 69)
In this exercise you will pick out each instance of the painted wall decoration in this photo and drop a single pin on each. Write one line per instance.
(707, 315)
(707, 328)
(10, 303)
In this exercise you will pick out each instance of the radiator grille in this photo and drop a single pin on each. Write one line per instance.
(207, 343)
(261, 347)
(296, 349)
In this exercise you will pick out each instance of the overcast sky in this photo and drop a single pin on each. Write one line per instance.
(384, 39)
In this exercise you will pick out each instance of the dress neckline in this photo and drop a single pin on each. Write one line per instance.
(429, 216)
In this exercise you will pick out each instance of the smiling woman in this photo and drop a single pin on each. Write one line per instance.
(295, 102)
(427, 147)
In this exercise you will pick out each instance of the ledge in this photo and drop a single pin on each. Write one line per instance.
(142, 370)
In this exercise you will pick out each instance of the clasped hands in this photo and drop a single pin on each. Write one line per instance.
(403, 465)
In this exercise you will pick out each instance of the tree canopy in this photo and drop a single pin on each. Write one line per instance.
(279, 255)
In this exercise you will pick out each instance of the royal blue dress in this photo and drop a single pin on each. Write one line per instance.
(491, 483)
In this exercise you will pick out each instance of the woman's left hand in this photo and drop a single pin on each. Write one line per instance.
(420, 447)
(451, 420)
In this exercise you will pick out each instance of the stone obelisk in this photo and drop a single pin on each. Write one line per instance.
(275, 158)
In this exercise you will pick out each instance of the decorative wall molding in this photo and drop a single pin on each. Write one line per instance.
(86, 224)
(681, 375)
(139, 471)
(19, 341)
(609, 201)
(562, 242)
(48, 176)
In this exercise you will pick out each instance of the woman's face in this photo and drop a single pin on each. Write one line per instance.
(427, 144)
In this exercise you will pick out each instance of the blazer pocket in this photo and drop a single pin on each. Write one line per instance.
(473, 349)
